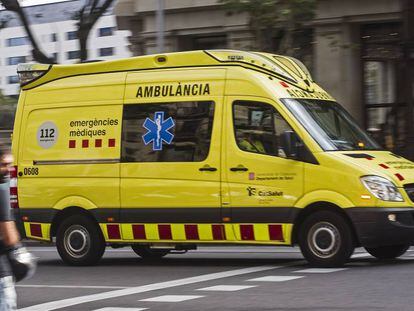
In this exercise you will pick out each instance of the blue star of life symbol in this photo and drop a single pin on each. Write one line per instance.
(158, 131)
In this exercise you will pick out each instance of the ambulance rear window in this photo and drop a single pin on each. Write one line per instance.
(167, 132)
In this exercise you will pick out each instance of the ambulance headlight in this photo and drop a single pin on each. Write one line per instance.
(382, 188)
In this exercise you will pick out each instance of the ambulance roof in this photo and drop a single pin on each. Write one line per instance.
(283, 67)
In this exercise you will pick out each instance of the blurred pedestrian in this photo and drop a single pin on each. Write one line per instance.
(15, 262)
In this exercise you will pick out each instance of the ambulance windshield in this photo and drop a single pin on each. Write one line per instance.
(330, 125)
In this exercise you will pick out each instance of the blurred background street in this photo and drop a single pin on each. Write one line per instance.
(361, 52)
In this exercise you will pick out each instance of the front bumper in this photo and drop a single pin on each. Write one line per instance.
(374, 229)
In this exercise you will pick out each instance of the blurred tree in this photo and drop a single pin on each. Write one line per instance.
(278, 25)
(7, 111)
(87, 17)
(37, 53)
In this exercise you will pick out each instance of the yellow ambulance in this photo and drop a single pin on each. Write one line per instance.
(163, 153)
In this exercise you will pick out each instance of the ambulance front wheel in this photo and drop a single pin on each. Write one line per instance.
(326, 239)
(79, 241)
(388, 252)
(145, 252)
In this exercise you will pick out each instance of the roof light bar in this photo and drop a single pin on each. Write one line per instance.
(31, 72)
(252, 59)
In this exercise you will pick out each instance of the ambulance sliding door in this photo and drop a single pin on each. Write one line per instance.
(170, 170)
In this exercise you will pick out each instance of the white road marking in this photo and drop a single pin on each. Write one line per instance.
(121, 309)
(58, 304)
(226, 288)
(361, 255)
(358, 264)
(320, 270)
(275, 278)
(72, 286)
(172, 298)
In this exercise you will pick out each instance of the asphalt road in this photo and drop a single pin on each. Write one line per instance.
(231, 278)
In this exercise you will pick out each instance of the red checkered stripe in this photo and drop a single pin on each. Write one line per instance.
(92, 143)
(38, 231)
(167, 231)
(195, 232)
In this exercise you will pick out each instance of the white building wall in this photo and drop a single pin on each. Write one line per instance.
(118, 41)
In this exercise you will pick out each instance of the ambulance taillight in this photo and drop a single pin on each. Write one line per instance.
(14, 201)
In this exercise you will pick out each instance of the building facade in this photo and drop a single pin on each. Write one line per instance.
(189, 25)
(358, 52)
(54, 27)
(361, 58)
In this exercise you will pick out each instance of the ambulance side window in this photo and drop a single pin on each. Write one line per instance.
(258, 128)
(167, 132)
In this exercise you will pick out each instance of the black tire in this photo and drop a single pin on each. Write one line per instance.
(79, 241)
(145, 252)
(326, 239)
(387, 252)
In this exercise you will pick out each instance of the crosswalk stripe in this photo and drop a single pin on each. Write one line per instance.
(320, 270)
(68, 302)
(226, 288)
(275, 278)
(171, 298)
(361, 255)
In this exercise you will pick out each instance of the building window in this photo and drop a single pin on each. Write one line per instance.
(73, 55)
(15, 60)
(186, 43)
(17, 41)
(53, 37)
(106, 51)
(55, 57)
(386, 118)
(72, 35)
(168, 132)
(12, 79)
(106, 31)
(258, 128)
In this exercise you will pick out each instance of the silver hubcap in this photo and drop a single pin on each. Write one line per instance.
(76, 241)
(324, 240)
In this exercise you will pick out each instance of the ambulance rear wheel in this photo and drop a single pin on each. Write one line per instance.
(145, 252)
(388, 252)
(326, 239)
(79, 241)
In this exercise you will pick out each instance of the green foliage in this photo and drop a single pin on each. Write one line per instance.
(7, 112)
(278, 25)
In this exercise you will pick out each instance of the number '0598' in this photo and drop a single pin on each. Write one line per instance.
(31, 171)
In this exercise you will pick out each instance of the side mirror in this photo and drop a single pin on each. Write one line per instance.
(290, 144)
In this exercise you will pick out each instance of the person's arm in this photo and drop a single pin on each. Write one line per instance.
(9, 233)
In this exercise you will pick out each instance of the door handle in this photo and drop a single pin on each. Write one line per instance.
(239, 168)
(207, 168)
